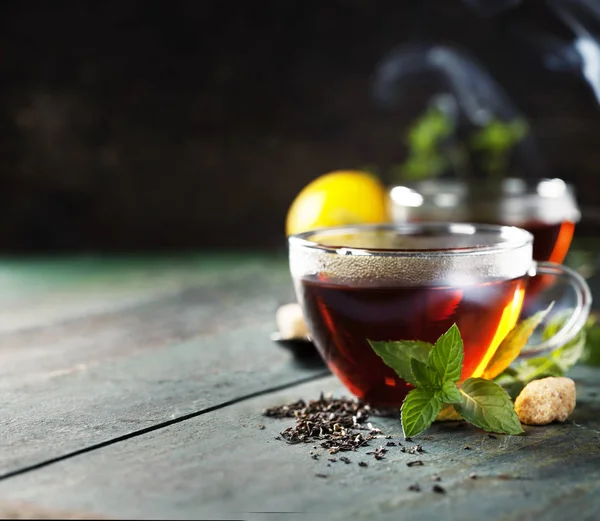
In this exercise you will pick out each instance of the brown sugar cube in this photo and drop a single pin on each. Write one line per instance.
(290, 321)
(546, 400)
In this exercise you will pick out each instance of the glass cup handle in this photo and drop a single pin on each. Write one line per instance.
(577, 320)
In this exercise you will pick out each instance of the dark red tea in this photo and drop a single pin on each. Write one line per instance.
(342, 318)
(551, 241)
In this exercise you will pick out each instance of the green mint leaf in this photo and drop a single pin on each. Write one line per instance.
(591, 352)
(398, 355)
(513, 344)
(568, 355)
(419, 409)
(446, 357)
(449, 393)
(536, 368)
(487, 405)
(424, 377)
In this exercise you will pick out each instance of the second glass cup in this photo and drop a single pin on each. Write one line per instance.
(412, 282)
(547, 208)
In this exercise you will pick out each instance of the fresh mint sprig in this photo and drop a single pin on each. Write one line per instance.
(435, 371)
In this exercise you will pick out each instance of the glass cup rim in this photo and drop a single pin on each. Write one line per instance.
(544, 188)
(509, 238)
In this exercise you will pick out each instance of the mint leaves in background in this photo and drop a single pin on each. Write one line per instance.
(584, 348)
(481, 402)
(591, 349)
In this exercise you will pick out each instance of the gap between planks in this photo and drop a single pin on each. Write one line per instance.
(30, 468)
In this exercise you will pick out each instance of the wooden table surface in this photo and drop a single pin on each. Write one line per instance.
(134, 387)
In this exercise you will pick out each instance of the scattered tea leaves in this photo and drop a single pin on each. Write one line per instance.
(416, 463)
(378, 453)
(438, 489)
(415, 487)
(335, 423)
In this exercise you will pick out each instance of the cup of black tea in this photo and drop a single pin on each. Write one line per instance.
(412, 282)
(547, 208)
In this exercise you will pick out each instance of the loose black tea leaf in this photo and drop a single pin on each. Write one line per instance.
(390, 444)
(438, 489)
(467, 447)
(363, 464)
(337, 424)
(319, 475)
(346, 460)
(416, 463)
(378, 453)
(415, 487)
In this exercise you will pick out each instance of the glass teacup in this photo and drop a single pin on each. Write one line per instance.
(412, 282)
(547, 208)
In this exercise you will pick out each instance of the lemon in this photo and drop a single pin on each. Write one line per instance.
(339, 198)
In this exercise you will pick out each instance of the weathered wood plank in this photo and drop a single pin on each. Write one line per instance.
(221, 465)
(82, 382)
(205, 304)
(38, 293)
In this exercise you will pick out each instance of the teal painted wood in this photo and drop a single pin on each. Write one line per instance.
(83, 380)
(93, 352)
(221, 465)
(38, 293)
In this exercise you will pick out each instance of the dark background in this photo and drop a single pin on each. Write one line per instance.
(145, 125)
